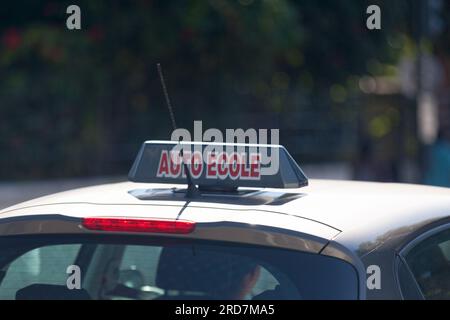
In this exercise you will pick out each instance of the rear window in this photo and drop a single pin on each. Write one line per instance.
(160, 268)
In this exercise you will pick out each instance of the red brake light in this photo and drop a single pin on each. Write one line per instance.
(139, 225)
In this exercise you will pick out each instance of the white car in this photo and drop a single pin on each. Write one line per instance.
(229, 235)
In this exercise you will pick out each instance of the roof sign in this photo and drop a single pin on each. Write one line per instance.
(217, 165)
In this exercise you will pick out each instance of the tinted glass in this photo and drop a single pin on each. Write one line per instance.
(408, 285)
(131, 268)
(429, 261)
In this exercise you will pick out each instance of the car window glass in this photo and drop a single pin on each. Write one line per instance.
(429, 262)
(130, 268)
(42, 265)
(445, 247)
(408, 285)
(139, 266)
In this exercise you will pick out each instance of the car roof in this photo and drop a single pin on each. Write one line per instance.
(356, 214)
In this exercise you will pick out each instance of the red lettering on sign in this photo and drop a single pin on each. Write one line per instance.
(212, 163)
(244, 170)
(255, 165)
(196, 164)
(163, 169)
(175, 164)
(222, 168)
(234, 165)
(223, 165)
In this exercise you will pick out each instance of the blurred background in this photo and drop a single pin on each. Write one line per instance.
(350, 103)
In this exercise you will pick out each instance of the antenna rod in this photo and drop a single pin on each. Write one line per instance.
(166, 95)
(192, 190)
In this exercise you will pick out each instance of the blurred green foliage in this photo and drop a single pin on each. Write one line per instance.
(81, 102)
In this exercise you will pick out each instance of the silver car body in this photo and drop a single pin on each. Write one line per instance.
(360, 222)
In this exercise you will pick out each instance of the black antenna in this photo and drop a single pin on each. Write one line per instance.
(192, 190)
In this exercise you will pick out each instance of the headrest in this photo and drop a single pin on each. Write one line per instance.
(51, 292)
